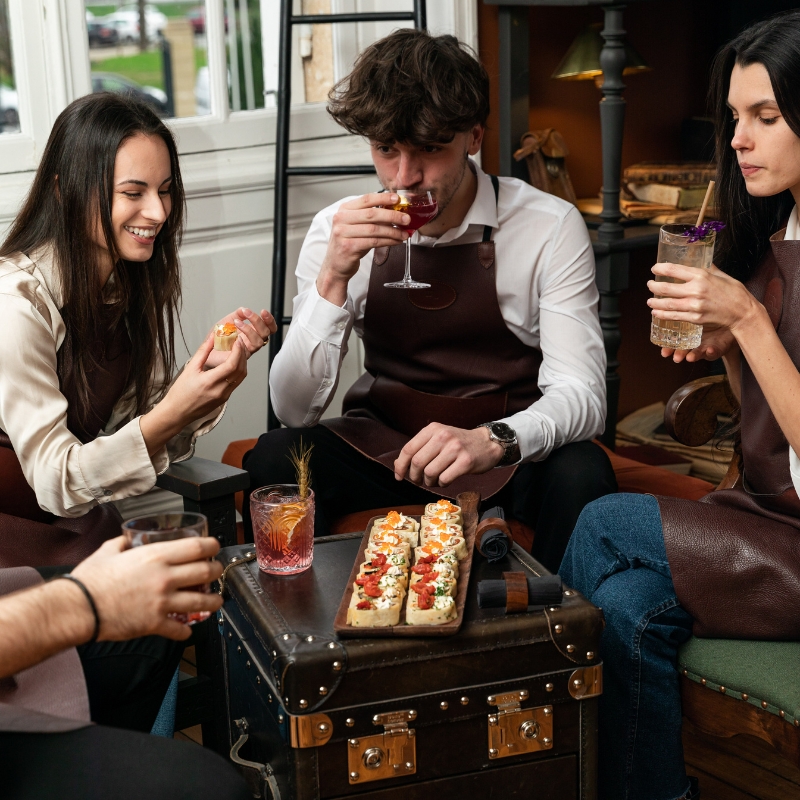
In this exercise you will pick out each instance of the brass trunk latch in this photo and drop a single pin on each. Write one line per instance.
(390, 754)
(514, 730)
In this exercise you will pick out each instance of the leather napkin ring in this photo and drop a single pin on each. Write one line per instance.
(516, 592)
(491, 524)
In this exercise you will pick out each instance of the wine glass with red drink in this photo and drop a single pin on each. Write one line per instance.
(421, 208)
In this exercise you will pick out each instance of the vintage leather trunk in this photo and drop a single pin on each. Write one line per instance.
(507, 707)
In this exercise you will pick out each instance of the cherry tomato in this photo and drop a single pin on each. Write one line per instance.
(422, 569)
(372, 590)
(425, 601)
(378, 560)
(364, 605)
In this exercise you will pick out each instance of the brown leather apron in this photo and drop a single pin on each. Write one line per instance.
(28, 534)
(443, 354)
(735, 554)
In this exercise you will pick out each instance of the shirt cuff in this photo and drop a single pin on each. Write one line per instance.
(324, 320)
(181, 447)
(794, 469)
(125, 468)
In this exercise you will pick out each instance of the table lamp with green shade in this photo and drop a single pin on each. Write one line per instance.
(582, 60)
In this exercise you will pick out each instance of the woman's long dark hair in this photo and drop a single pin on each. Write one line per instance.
(74, 184)
(750, 221)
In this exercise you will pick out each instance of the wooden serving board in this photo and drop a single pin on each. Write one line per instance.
(469, 511)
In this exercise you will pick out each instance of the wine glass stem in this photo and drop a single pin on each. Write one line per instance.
(407, 277)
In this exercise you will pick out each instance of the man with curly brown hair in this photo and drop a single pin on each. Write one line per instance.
(490, 380)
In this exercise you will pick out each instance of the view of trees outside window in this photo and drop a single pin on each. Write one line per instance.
(9, 99)
(164, 62)
(245, 54)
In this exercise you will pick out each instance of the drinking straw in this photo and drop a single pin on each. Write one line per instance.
(705, 204)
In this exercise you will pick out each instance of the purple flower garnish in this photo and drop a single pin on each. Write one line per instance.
(696, 233)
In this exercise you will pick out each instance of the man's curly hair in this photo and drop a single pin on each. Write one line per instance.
(414, 88)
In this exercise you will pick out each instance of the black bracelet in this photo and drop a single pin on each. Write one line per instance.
(89, 597)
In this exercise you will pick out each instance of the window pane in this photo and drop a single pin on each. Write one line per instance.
(9, 103)
(245, 57)
(167, 67)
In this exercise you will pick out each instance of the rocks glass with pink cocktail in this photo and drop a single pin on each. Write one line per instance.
(166, 528)
(283, 528)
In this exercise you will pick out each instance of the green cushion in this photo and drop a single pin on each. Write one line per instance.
(764, 671)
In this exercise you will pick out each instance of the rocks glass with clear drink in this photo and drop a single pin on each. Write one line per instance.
(675, 247)
(283, 529)
(166, 528)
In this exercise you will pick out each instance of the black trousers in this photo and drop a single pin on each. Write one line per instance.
(117, 758)
(547, 495)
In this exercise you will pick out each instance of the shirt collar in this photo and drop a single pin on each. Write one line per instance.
(482, 212)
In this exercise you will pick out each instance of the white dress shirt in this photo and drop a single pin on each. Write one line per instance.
(69, 477)
(545, 279)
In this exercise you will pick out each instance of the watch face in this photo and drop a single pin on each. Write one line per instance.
(503, 432)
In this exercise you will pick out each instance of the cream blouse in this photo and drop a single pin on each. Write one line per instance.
(69, 477)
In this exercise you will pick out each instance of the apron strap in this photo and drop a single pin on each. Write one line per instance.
(487, 229)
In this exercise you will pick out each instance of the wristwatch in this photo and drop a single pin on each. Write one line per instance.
(506, 437)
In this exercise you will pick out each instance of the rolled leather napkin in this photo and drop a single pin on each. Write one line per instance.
(493, 536)
(517, 591)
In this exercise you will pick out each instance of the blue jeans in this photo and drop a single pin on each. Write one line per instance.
(617, 559)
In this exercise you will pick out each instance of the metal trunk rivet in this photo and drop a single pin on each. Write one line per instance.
(269, 698)
(783, 714)
(764, 704)
(323, 727)
(239, 649)
(492, 753)
(274, 653)
(577, 683)
(745, 696)
(285, 637)
(685, 671)
(590, 655)
(570, 648)
(490, 699)
(353, 776)
(353, 742)
(558, 628)
(569, 593)
(280, 717)
(552, 609)
(303, 704)
(547, 710)
(722, 689)
(331, 645)
(337, 666)
(309, 638)
(547, 741)
(524, 694)
(548, 687)
(797, 723)
(493, 720)
(258, 679)
(464, 701)
(247, 664)
(323, 690)
(230, 635)
(444, 705)
(412, 715)
(349, 722)
(376, 719)
(703, 681)
(409, 765)
(412, 733)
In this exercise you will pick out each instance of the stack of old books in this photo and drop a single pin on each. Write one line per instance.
(661, 193)
(666, 193)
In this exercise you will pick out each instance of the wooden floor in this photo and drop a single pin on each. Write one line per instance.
(739, 768)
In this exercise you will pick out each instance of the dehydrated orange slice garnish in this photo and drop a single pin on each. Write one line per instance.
(445, 506)
(225, 329)
(393, 518)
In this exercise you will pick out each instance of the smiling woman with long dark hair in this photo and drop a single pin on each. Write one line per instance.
(726, 566)
(89, 294)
